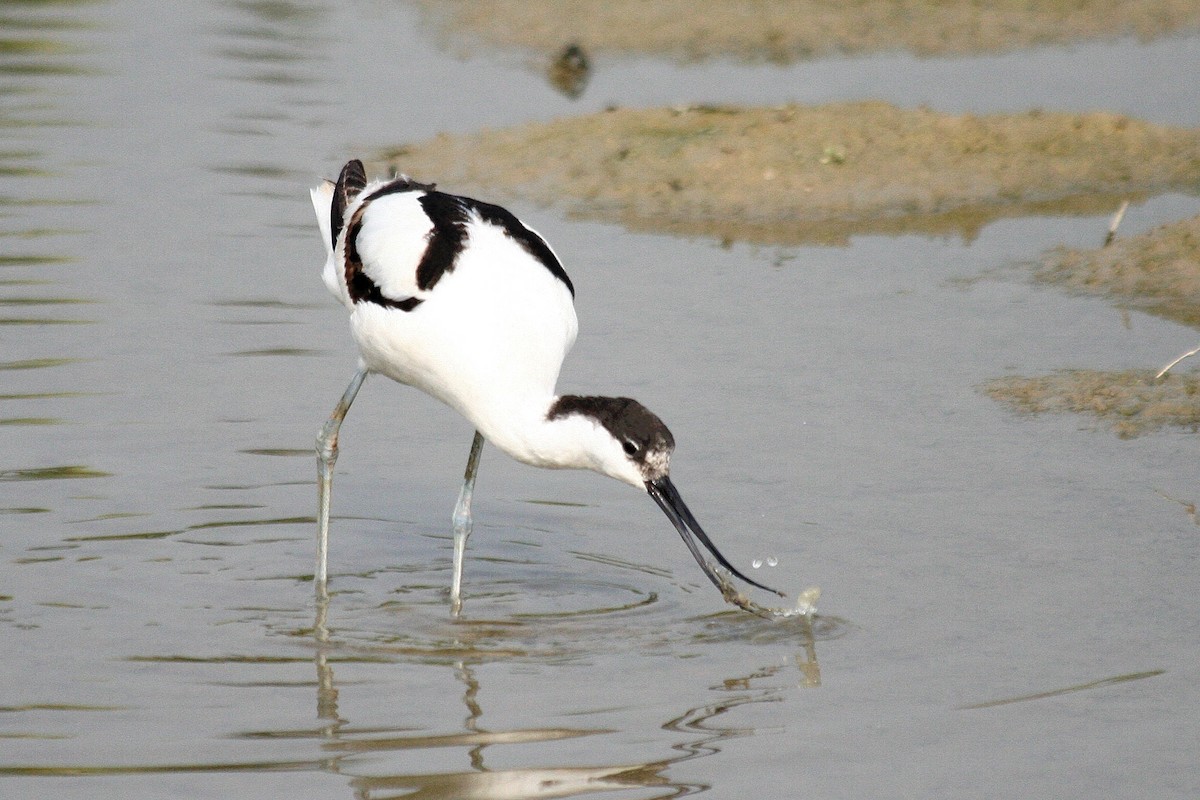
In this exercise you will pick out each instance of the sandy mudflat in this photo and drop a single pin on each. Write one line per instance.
(790, 30)
(793, 174)
(1157, 271)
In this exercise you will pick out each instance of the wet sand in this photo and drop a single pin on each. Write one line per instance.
(791, 30)
(798, 174)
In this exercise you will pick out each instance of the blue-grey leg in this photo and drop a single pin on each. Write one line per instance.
(462, 522)
(327, 452)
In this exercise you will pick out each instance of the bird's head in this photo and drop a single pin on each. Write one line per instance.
(635, 446)
(629, 443)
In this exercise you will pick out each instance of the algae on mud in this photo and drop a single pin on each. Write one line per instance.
(783, 31)
(1132, 402)
(797, 174)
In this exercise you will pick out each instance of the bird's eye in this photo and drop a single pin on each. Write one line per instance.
(631, 447)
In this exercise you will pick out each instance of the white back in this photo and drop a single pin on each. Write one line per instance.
(488, 339)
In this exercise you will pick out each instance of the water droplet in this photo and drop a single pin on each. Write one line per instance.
(772, 561)
(756, 563)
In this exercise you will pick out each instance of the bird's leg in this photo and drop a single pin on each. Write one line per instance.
(462, 522)
(327, 452)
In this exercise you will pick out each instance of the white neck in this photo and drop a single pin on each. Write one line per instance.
(524, 431)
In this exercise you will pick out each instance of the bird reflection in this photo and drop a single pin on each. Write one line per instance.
(327, 695)
(806, 659)
(699, 728)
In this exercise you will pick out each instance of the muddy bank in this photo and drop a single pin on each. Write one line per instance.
(1130, 402)
(790, 30)
(1157, 271)
(795, 174)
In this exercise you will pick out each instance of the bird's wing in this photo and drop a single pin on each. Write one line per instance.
(389, 236)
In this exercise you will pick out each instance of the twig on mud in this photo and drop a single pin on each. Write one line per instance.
(1115, 223)
(1165, 369)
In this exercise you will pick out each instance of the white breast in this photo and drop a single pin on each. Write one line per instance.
(488, 340)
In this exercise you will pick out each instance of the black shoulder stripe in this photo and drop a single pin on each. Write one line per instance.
(349, 184)
(401, 184)
(534, 245)
(448, 214)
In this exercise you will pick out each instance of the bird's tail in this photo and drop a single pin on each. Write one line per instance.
(331, 200)
(322, 200)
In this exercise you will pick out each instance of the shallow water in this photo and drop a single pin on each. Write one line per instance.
(168, 353)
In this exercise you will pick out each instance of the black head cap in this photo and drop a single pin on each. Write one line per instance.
(647, 442)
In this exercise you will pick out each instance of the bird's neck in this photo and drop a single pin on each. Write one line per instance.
(526, 432)
(523, 430)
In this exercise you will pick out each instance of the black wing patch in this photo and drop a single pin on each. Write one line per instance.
(448, 214)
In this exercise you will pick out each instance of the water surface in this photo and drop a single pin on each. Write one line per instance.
(1009, 603)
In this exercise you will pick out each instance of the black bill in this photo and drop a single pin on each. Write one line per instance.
(668, 499)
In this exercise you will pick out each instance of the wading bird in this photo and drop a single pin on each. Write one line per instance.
(461, 300)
